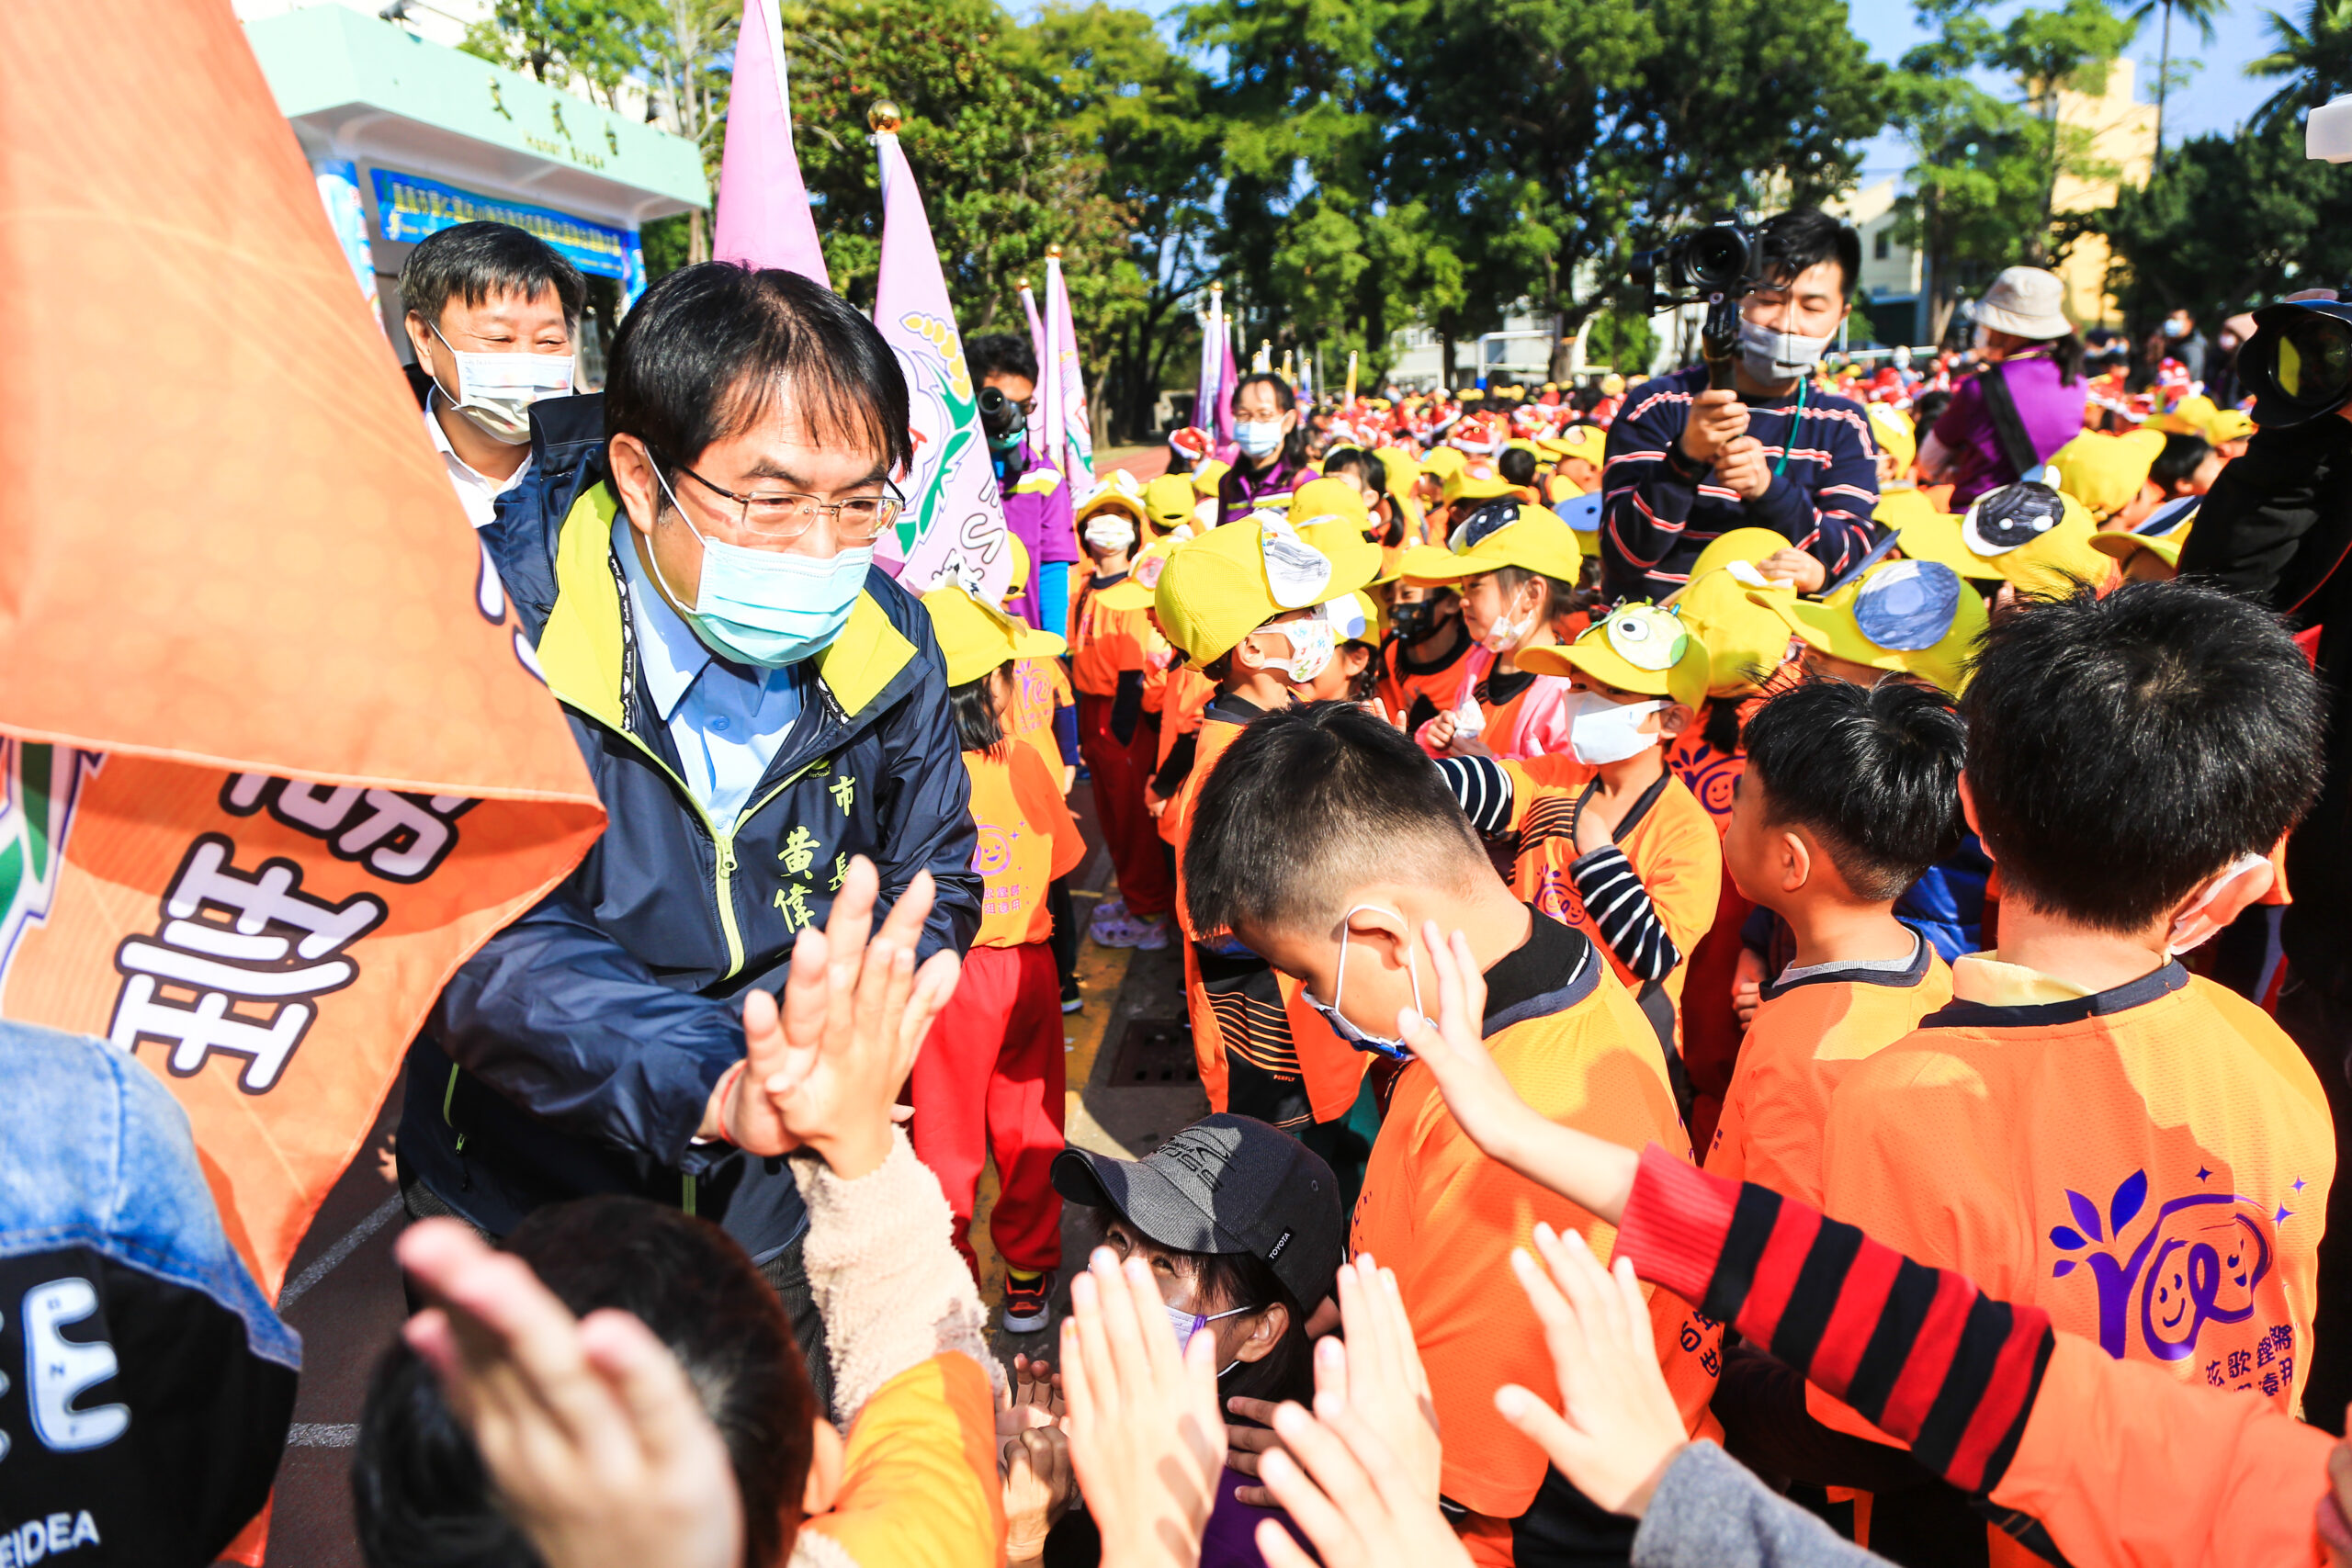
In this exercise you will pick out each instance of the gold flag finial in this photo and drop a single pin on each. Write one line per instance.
(1021, 283)
(1053, 252)
(884, 118)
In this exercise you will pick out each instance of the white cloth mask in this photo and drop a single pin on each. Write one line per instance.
(495, 391)
(1601, 731)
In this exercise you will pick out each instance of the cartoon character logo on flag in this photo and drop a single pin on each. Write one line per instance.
(953, 529)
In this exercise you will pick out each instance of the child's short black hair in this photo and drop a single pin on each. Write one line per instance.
(1002, 353)
(1871, 771)
(2178, 462)
(2123, 750)
(1516, 465)
(972, 705)
(1309, 802)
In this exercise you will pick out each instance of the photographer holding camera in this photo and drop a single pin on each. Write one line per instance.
(1688, 462)
(2277, 527)
(1038, 506)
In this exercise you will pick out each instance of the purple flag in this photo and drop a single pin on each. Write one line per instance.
(953, 530)
(764, 217)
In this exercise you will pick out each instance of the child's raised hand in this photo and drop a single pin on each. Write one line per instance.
(1476, 1091)
(1344, 1485)
(1617, 1428)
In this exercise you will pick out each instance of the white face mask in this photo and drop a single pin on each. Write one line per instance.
(1110, 533)
(1601, 731)
(1259, 439)
(1364, 1040)
(1775, 355)
(1312, 647)
(495, 391)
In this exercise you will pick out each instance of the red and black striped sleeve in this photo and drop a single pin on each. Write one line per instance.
(1921, 1353)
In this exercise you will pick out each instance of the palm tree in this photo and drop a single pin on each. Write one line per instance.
(2199, 14)
(2316, 59)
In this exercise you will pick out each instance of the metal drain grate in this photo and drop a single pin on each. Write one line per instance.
(1153, 1051)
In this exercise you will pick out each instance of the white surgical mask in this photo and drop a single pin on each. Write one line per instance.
(1382, 1045)
(1106, 532)
(763, 607)
(1601, 731)
(1259, 439)
(1774, 354)
(495, 391)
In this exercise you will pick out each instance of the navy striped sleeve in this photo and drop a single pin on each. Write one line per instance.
(1483, 790)
(1621, 908)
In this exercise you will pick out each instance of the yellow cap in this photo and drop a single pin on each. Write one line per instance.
(1929, 619)
(1355, 560)
(1894, 432)
(2160, 533)
(1399, 468)
(1206, 477)
(1536, 540)
(1167, 502)
(2105, 473)
(1114, 491)
(1638, 648)
(2229, 424)
(1745, 639)
(2195, 411)
(1749, 545)
(1611, 384)
(1223, 586)
(1328, 501)
(1477, 480)
(1443, 460)
(1524, 444)
(2034, 536)
(977, 637)
(1586, 441)
(1017, 579)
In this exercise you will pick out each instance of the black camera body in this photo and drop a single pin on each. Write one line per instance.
(1003, 421)
(1715, 266)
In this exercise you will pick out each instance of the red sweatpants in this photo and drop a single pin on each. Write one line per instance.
(988, 1081)
(1120, 772)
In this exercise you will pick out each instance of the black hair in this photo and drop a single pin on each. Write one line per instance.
(473, 262)
(1223, 1281)
(1872, 772)
(2123, 750)
(710, 348)
(1002, 353)
(420, 1493)
(1516, 465)
(1559, 598)
(1926, 409)
(1294, 447)
(1804, 237)
(2178, 462)
(973, 707)
(1309, 802)
(1368, 468)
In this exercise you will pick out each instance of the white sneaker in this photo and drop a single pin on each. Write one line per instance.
(1115, 908)
(1123, 932)
(1154, 937)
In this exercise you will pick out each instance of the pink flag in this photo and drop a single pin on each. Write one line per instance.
(1045, 424)
(1076, 457)
(763, 217)
(1036, 328)
(1204, 385)
(1228, 375)
(953, 529)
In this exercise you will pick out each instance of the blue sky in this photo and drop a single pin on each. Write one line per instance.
(2217, 98)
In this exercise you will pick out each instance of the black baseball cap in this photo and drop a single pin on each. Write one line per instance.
(1225, 1184)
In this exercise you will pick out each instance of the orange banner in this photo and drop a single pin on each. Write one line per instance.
(229, 559)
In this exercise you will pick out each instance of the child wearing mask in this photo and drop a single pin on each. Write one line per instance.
(1607, 838)
(989, 1081)
(1112, 652)
(1419, 665)
(1516, 566)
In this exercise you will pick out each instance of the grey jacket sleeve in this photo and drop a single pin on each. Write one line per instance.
(1709, 1511)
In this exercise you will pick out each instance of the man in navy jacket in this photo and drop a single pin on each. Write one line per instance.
(757, 705)
(1687, 464)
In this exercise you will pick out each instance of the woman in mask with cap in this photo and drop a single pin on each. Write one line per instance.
(2026, 402)
(1271, 437)
(1244, 1232)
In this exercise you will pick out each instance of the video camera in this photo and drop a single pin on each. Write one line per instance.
(1714, 267)
(1003, 421)
(2299, 362)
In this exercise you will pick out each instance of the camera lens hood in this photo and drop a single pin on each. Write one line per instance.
(2299, 361)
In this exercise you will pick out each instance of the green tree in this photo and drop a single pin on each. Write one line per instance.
(2199, 14)
(596, 43)
(2313, 57)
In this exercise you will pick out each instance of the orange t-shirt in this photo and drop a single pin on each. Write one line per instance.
(1105, 644)
(1672, 843)
(1185, 697)
(1419, 692)
(1038, 688)
(1027, 837)
(1445, 1217)
(2150, 1165)
(918, 1476)
(1806, 1036)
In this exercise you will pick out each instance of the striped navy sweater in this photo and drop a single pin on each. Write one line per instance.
(1660, 508)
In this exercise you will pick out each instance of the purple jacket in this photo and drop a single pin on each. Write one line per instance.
(2052, 412)
(1038, 508)
(1238, 493)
